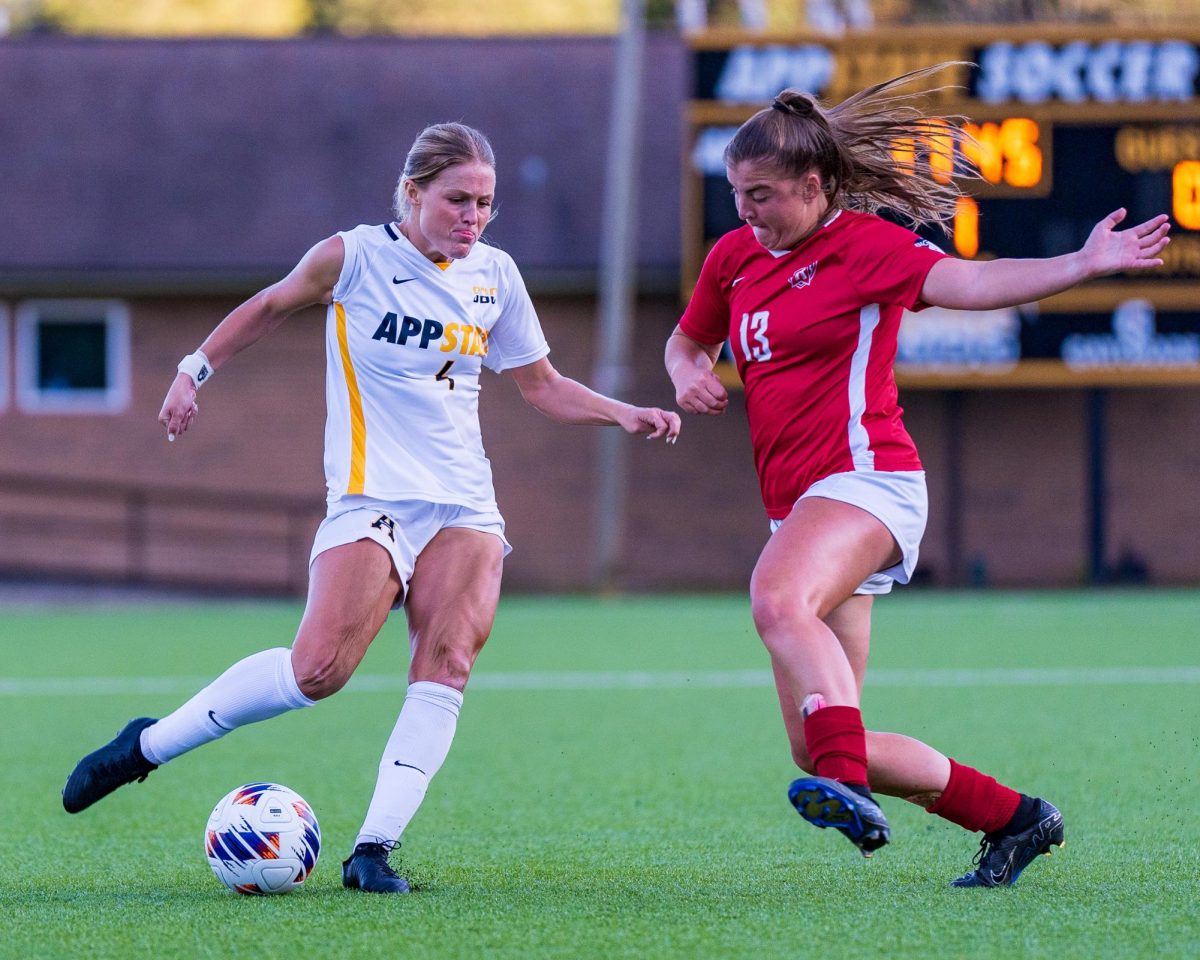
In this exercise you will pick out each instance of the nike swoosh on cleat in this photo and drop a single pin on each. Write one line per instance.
(213, 717)
(405, 280)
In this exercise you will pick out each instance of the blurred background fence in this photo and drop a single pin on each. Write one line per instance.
(138, 534)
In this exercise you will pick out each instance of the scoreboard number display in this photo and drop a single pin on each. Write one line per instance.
(1067, 125)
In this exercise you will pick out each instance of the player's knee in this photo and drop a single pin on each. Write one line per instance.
(766, 607)
(452, 667)
(776, 605)
(319, 676)
(447, 661)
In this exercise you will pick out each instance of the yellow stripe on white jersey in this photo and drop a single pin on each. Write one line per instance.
(358, 426)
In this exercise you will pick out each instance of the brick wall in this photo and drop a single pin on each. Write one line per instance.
(694, 517)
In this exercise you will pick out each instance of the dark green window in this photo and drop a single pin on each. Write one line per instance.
(72, 355)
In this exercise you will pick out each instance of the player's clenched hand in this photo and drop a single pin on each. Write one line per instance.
(1109, 250)
(700, 391)
(179, 409)
(653, 422)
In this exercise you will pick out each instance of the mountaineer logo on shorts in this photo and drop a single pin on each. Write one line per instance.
(385, 524)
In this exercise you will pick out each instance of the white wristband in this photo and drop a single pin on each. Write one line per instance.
(196, 366)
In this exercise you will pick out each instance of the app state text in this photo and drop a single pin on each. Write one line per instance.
(463, 338)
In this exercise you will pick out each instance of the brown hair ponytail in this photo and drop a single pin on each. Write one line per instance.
(852, 146)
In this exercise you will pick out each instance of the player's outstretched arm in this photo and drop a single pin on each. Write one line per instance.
(310, 282)
(690, 367)
(569, 401)
(988, 284)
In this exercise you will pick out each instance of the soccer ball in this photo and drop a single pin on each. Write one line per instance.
(262, 838)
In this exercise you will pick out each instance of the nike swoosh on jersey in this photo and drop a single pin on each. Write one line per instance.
(737, 281)
(405, 280)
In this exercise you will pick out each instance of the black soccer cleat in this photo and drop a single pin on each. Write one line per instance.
(368, 870)
(118, 762)
(829, 803)
(1003, 855)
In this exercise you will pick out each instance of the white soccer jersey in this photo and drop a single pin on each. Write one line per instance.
(405, 342)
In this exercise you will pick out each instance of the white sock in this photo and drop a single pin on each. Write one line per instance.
(257, 688)
(414, 753)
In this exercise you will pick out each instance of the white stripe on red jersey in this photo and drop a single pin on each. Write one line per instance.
(860, 441)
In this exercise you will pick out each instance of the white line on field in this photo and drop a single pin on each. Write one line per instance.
(647, 680)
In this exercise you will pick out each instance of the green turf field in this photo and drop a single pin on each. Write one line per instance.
(617, 787)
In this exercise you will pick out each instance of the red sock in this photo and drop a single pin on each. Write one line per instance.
(837, 744)
(975, 801)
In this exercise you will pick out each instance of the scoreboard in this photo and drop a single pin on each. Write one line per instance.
(1067, 126)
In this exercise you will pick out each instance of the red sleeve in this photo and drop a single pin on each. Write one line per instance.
(892, 263)
(706, 318)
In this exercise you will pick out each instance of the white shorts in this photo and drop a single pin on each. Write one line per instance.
(403, 528)
(897, 499)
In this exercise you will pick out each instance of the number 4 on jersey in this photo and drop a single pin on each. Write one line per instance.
(443, 374)
(755, 326)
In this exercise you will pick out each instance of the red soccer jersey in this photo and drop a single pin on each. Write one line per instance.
(814, 334)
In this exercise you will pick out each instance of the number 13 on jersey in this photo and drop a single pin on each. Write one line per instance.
(755, 326)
